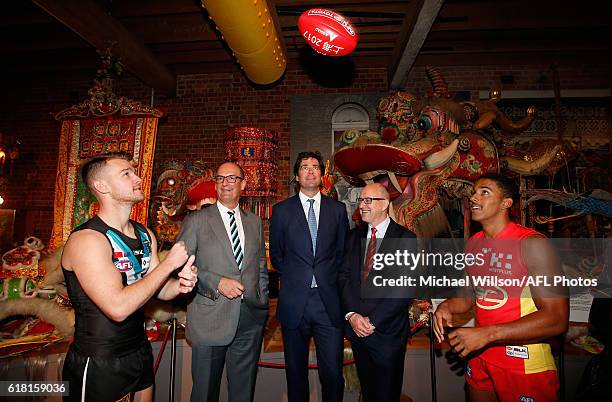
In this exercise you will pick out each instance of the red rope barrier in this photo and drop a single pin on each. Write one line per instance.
(261, 363)
(161, 351)
(417, 326)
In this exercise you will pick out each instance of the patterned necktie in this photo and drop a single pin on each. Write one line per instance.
(312, 225)
(235, 239)
(369, 261)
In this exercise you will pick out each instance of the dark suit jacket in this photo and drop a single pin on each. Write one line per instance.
(212, 319)
(291, 255)
(388, 315)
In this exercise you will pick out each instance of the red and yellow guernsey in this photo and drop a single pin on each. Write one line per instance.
(503, 264)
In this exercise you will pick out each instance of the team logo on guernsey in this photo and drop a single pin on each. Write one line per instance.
(123, 262)
(524, 398)
(491, 298)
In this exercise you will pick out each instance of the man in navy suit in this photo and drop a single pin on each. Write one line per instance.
(377, 327)
(307, 235)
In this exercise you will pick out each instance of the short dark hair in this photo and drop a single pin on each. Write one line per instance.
(306, 155)
(507, 185)
(92, 167)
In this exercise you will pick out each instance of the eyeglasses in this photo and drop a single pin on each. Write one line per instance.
(368, 200)
(230, 178)
(314, 168)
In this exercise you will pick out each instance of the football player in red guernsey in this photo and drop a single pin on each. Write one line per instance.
(510, 359)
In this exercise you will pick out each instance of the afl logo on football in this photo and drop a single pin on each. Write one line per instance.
(327, 32)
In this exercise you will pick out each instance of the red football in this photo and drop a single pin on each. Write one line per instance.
(327, 32)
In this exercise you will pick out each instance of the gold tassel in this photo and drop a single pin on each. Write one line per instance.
(351, 380)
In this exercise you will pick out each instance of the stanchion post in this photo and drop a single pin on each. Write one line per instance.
(562, 371)
(172, 359)
(432, 359)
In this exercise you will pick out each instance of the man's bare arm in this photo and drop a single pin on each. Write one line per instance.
(184, 283)
(552, 315)
(444, 313)
(88, 254)
(550, 319)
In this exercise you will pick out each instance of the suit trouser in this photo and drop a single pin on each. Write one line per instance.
(380, 365)
(239, 357)
(328, 341)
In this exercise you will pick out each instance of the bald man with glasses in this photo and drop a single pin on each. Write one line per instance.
(377, 328)
(225, 319)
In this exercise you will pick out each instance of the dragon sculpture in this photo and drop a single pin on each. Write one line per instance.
(181, 187)
(430, 145)
(34, 306)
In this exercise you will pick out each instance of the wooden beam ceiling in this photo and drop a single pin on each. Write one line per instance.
(97, 27)
(168, 37)
(415, 28)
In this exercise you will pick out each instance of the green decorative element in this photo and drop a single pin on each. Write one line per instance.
(17, 288)
(83, 202)
(47, 292)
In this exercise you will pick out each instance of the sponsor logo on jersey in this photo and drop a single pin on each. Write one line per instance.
(517, 351)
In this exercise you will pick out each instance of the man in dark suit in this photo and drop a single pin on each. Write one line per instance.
(377, 328)
(307, 235)
(225, 320)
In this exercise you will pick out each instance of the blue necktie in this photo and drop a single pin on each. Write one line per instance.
(312, 225)
(235, 239)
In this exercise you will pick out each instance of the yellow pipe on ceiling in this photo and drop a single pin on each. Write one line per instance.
(249, 29)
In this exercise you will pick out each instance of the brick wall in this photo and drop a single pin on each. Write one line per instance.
(526, 77)
(207, 104)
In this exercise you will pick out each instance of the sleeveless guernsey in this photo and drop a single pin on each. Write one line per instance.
(500, 304)
(95, 334)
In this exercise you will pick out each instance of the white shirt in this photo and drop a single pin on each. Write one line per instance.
(306, 205)
(226, 222)
(381, 230)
